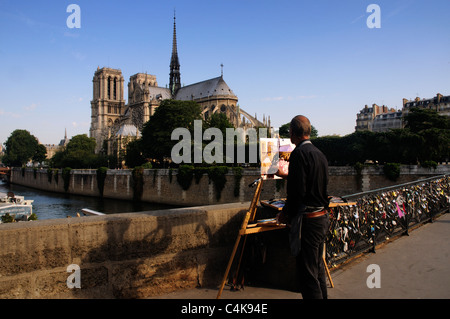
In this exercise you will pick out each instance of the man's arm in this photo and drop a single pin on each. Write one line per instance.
(295, 187)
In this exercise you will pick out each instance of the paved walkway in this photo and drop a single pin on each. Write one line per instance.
(410, 267)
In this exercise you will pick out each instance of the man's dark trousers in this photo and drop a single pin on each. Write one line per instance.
(311, 269)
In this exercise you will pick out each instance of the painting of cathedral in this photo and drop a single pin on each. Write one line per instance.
(114, 123)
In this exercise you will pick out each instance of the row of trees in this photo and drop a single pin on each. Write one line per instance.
(426, 137)
(22, 147)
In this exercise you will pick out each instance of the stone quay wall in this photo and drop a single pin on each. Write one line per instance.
(161, 186)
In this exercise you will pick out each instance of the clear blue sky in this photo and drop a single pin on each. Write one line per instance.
(281, 58)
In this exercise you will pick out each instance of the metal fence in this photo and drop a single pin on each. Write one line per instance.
(383, 213)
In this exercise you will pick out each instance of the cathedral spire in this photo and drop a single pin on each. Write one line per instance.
(174, 83)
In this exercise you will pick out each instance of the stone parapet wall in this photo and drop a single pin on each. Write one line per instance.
(134, 255)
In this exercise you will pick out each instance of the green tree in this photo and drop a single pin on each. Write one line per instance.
(434, 130)
(41, 153)
(220, 121)
(170, 114)
(133, 155)
(57, 159)
(397, 146)
(331, 147)
(81, 142)
(79, 153)
(20, 147)
(419, 120)
(283, 131)
(314, 132)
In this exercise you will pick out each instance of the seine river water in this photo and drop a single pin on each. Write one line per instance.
(48, 205)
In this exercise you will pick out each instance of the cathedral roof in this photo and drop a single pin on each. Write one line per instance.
(211, 87)
(156, 91)
(127, 130)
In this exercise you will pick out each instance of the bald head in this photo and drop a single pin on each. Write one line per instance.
(300, 127)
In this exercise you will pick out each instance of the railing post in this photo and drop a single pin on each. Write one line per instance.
(428, 205)
(373, 228)
(407, 212)
(373, 234)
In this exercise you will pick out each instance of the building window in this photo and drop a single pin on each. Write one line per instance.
(115, 89)
(109, 87)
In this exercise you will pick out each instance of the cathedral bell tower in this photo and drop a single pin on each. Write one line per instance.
(107, 105)
(174, 81)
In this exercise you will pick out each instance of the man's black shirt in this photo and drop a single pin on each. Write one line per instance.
(307, 179)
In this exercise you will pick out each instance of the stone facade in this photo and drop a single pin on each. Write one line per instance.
(53, 148)
(386, 121)
(382, 119)
(366, 118)
(439, 103)
(107, 105)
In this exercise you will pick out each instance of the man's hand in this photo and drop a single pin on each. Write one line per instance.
(281, 174)
(282, 218)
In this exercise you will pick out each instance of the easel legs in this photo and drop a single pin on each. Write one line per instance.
(328, 272)
(249, 216)
(230, 262)
(326, 266)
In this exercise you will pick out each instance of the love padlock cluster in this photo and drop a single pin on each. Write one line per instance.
(379, 215)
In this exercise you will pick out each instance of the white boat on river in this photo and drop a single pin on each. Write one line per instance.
(16, 206)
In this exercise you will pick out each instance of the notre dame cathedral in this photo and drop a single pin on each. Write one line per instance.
(114, 123)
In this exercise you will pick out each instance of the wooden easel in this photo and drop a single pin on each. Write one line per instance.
(249, 216)
(247, 229)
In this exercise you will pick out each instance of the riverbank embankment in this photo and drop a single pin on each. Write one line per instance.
(163, 186)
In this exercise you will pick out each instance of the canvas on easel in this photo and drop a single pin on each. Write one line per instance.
(274, 155)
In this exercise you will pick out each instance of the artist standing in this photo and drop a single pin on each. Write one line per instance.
(305, 209)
